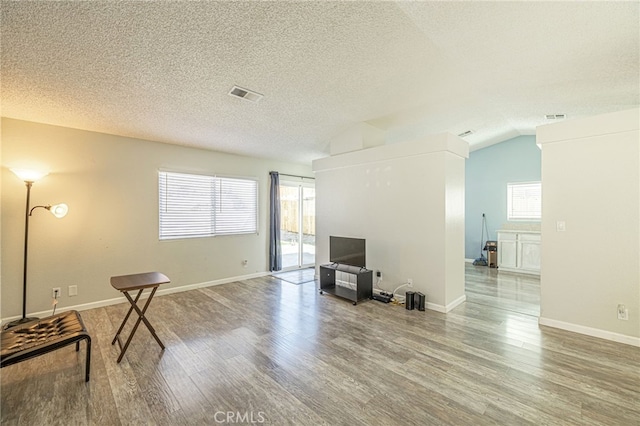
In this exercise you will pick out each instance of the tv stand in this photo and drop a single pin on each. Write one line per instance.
(349, 282)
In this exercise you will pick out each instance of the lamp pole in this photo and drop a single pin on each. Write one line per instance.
(26, 252)
(24, 318)
(59, 211)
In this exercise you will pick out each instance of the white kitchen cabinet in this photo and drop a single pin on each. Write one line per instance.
(519, 251)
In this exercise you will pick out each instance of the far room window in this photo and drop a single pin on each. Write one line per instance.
(524, 201)
(193, 205)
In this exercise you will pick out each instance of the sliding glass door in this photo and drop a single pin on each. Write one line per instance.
(297, 224)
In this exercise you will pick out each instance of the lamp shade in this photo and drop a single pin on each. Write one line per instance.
(29, 175)
(59, 210)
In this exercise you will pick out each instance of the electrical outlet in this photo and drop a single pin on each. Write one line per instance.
(410, 281)
(55, 292)
(245, 263)
(378, 274)
(623, 313)
(73, 290)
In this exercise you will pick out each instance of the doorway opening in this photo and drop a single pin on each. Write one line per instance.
(297, 224)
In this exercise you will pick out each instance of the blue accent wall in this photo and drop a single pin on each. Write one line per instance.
(487, 173)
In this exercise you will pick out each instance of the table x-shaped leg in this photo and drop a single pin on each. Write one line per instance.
(141, 317)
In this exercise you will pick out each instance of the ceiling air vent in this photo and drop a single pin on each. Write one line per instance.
(555, 116)
(246, 94)
(467, 133)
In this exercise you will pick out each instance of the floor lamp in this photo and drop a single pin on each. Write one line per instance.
(59, 211)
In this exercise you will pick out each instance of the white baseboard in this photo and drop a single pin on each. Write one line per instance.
(449, 307)
(211, 283)
(437, 308)
(589, 331)
(460, 300)
(122, 299)
(469, 260)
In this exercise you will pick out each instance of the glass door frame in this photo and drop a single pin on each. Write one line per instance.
(300, 186)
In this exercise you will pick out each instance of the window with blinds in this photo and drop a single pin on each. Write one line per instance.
(524, 201)
(202, 206)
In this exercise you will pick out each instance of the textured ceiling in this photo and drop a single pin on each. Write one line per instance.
(162, 70)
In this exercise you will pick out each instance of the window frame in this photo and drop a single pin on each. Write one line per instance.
(528, 215)
(211, 208)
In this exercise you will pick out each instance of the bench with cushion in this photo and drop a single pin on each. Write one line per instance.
(42, 336)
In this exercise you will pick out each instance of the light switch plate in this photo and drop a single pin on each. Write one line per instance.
(560, 226)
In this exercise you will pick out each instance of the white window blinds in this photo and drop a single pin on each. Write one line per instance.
(200, 206)
(524, 201)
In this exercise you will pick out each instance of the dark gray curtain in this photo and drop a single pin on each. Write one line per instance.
(275, 251)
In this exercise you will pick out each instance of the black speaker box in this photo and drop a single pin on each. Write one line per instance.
(418, 301)
(408, 301)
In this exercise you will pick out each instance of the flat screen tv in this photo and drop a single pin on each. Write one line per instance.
(347, 251)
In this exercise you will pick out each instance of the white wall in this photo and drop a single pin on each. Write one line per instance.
(357, 137)
(110, 185)
(591, 181)
(407, 201)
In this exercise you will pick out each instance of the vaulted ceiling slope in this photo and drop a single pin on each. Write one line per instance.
(162, 70)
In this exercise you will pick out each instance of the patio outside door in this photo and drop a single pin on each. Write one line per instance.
(297, 224)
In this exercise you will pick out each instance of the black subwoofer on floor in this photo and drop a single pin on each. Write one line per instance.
(408, 301)
(418, 301)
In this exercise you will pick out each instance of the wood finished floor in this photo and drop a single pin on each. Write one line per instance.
(273, 351)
